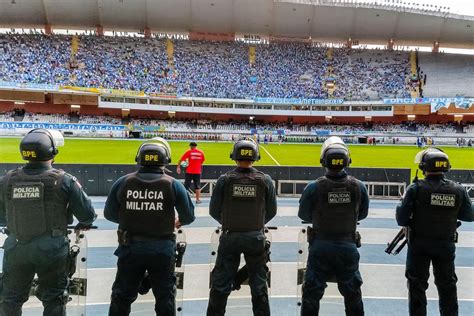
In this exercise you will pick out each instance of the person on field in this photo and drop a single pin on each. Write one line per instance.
(195, 158)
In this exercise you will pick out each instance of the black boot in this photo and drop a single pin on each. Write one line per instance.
(217, 303)
(260, 305)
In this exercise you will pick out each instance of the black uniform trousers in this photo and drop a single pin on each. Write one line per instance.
(156, 257)
(231, 246)
(422, 252)
(45, 256)
(328, 259)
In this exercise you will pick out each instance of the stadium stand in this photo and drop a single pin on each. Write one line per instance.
(204, 69)
(369, 75)
(7, 116)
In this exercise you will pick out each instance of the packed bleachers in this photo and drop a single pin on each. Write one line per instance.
(34, 58)
(204, 69)
(122, 63)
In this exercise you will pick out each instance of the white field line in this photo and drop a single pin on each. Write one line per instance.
(273, 158)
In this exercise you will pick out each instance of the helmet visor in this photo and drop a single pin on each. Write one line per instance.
(161, 141)
(419, 155)
(58, 138)
(333, 142)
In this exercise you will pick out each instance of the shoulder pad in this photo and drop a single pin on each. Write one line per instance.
(13, 171)
(259, 175)
(322, 178)
(59, 172)
(71, 177)
(167, 177)
(231, 174)
(353, 179)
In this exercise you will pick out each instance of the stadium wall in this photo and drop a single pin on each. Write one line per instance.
(98, 179)
(91, 109)
(51, 108)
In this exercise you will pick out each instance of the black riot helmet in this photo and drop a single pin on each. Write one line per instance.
(40, 144)
(156, 152)
(334, 154)
(245, 149)
(433, 160)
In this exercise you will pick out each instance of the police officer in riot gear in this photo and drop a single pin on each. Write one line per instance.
(243, 201)
(37, 202)
(333, 204)
(431, 208)
(143, 203)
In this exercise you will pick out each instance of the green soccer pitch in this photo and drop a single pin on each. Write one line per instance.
(116, 151)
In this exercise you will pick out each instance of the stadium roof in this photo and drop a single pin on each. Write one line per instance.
(287, 18)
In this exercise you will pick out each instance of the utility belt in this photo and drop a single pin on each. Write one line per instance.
(355, 237)
(229, 231)
(125, 238)
(53, 233)
(414, 236)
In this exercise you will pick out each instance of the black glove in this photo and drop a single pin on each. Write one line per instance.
(81, 226)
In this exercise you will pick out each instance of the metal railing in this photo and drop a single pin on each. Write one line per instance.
(384, 190)
(207, 186)
(375, 189)
(469, 188)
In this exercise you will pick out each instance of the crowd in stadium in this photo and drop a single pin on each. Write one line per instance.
(203, 69)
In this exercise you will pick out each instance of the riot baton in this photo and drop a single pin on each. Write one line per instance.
(397, 251)
(391, 245)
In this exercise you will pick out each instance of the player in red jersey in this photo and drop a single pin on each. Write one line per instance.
(195, 159)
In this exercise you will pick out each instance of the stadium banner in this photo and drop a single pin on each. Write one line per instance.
(436, 103)
(266, 131)
(28, 85)
(122, 93)
(62, 126)
(298, 101)
(161, 95)
(321, 132)
(460, 103)
(115, 92)
(81, 89)
(149, 128)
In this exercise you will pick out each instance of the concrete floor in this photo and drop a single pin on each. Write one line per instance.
(384, 288)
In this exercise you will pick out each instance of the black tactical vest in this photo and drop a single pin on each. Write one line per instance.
(437, 206)
(243, 208)
(147, 206)
(336, 207)
(35, 204)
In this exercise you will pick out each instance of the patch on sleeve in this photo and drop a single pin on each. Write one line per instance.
(30, 191)
(77, 181)
(339, 197)
(440, 199)
(244, 190)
